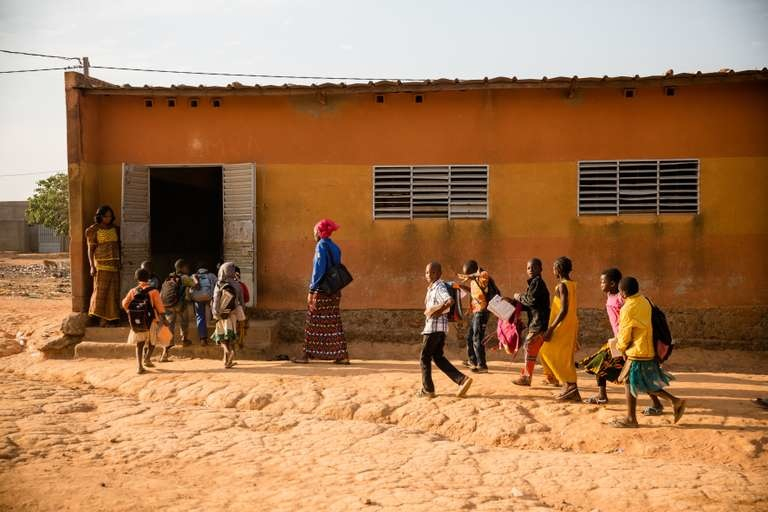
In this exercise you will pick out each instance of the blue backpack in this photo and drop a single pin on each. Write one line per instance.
(203, 292)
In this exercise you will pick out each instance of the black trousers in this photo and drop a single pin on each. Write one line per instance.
(432, 350)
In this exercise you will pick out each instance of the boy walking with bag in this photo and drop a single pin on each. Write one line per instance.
(437, 303)
(202, 295)
(535, 301)
(175, 293)
(146, 316)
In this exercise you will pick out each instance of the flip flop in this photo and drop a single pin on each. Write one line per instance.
(622, 423)
(596, 400)
(342, 361)
(680, 410)
(653, 411)
(299, 360)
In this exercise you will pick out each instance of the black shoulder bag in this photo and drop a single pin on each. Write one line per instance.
(335, 278)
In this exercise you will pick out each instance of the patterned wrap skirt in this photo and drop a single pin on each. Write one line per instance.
(646, 377)
(226, 328)
(105, 299)
(602, 364)
(323, 332)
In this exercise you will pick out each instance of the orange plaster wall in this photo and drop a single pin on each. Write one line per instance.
(315, 160)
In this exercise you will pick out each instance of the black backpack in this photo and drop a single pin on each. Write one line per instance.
(662, 336)
(170, 292)
(140, 310)
(228, 301)
(454, 312)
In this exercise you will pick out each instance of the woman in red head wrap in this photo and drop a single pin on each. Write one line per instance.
(323, 331)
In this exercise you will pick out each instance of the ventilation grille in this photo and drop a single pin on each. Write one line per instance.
(433, 192)
(615, 187)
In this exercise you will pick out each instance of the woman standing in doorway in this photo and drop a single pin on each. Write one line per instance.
(323, 332)
(104, 257)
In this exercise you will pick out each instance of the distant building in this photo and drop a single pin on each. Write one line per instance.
(17, 235)
(665, 177)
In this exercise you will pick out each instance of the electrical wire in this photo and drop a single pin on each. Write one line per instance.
(29, 174)
(41, 55)
(201, 73)
(39, 69)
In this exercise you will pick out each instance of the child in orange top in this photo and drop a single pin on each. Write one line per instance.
(481, 289)
(147, 337)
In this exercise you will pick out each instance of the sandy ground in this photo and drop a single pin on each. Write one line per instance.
(33, 297)
(93, 435)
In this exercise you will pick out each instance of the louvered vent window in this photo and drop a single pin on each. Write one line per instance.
(615, 187)
(433, 192)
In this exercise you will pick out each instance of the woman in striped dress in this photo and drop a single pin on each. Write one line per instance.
(323, 332)
(104, 257)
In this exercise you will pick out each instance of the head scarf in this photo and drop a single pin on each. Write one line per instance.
(325, 227)
(227, 272)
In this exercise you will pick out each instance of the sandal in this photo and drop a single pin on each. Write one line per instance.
(522, 380)
(230, 365)
(341, 361)
(571, 395)
(761, 402)
(622, 423)
(680, 410)
(653, 411)
(596, 400)
(300, 360)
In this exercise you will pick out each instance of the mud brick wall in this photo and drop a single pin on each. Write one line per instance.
(734, 327)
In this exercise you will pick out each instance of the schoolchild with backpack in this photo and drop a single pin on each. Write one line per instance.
(481, 290)
(175, 292)
(202, 295)
(227, 310)
(642, 372)
(602, 363)
(146, 315)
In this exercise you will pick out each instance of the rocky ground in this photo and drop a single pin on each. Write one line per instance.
(37, 276)
(92, 435)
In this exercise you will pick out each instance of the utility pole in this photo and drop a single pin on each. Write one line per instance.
(86, 66)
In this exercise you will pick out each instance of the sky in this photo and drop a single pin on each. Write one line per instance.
(387, 39)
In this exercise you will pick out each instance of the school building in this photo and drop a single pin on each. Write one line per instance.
(665, 177)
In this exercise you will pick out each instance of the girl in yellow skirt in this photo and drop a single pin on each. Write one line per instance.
(561, 337)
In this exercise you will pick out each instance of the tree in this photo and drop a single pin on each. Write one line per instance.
(49, 205)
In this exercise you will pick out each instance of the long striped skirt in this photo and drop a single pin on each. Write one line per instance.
(105, 299)
(323, 332)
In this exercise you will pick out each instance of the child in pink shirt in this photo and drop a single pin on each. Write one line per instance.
(601, 364)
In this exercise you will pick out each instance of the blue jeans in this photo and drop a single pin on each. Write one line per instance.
(201, 318)
(475, 335)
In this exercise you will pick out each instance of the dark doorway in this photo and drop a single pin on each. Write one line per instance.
(185, 217)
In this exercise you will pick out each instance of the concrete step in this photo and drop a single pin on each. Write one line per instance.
(123, 350)
(261, 334)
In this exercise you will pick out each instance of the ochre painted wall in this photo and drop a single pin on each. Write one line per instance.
(315, 160)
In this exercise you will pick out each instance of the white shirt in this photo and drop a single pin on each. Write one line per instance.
(437, 294)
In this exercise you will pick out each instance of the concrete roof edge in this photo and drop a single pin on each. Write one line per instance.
(94, 85)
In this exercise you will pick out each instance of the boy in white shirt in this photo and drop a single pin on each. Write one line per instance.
(437, 303)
